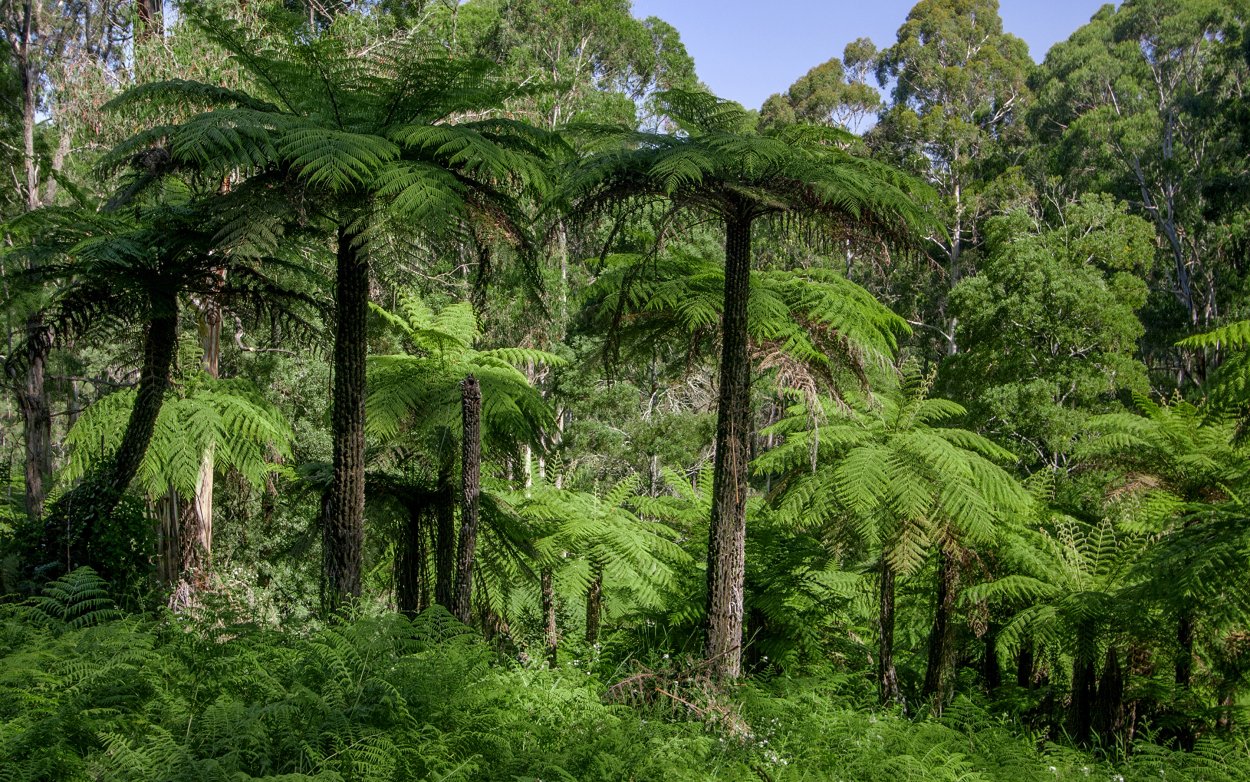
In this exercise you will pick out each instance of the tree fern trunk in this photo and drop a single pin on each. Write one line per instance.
(411, 593)
(470, 476)
(344, 509)
(726, 557)
(1185, 649)
(1083, 691)
(1024, 663)
(942, 634)
(1109, 713)
(887, 675)
(445, 538)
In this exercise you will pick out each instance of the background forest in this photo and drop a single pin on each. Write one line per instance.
(458, 390)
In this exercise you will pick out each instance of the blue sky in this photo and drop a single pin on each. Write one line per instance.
(746, 50)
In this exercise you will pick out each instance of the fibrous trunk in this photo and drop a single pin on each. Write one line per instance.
(726, 567)
(445, 537)
(887, 675)
(344, 508)
(942, 634)
(1084, 692)
(470, 478)
(411, 591)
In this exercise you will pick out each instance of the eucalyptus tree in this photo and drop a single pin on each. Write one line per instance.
(386, 131)
(956, 106)
(1049, 327)
(718, 168)
(893, 476)
(1131, 104)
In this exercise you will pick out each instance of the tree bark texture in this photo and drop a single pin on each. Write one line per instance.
(1109, 714)
(594, 604)
(197, 547)
(726, 565)
(471, 487)
(887, 674)
(32, 400)
(411, 578)
(445, 538)
(942, 635)
(1084, 693)
(344, 509)
(551, 635)
(1185, 649)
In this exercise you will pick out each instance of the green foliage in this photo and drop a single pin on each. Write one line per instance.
(419, 390)
(231, 418)
(891, 474)
(386, 698)
(813, 329)
(1048, 328)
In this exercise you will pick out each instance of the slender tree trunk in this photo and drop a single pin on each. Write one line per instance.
(1024, 663)
(726, 557)
(198, 543)
(445, 538)
(1109, 715)
(149, 13)
(32, 400)
(411, 578)
(551, 635)
(1083, 693)
(344, 509)
(594, 604)
(470, 477)
(942, 635)
(991, 672)
(887, 675)
(32, 395)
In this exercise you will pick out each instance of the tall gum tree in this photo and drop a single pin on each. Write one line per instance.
(717, 166)
(1131, 104)
(959, 91)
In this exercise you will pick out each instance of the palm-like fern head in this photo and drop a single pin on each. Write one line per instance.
(890, 474)
(582, 533)
(108, 268)
(1229, 385)
(813, 328)
(717, 163)
(418, 391)
(412, 132)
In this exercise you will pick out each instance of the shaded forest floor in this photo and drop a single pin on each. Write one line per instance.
(90, 693)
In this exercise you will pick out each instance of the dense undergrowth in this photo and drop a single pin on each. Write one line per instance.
(87, 692)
